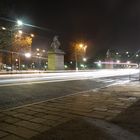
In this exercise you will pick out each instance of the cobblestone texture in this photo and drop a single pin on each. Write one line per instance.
(29, 121)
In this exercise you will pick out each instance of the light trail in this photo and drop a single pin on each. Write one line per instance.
(59, 77)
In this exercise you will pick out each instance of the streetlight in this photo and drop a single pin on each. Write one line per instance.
(84, 59)
(118, 61)
(79, 47)
(19, 23)
(32, 35)
(28, 55)
(3, 28)
(37, 49)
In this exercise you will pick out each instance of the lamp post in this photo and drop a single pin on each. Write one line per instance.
(79, 47)
(40, 55)
(19, 24)
(76, 65)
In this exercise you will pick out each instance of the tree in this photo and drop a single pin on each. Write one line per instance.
(13, 41)
(22, 44)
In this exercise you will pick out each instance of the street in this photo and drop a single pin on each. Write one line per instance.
(68, 105)
(17, 90)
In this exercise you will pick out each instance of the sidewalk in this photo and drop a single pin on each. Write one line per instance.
(108, 114)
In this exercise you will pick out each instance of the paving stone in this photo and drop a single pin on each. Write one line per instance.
(12, 137)
(100, 109)
(38, 120)
(39, 110)
(10, 112)
(30, 125)
(52, 117)
(17, 130)
(11, 119)
(2, 134)
(39, 115)
(50, 122)
(2, 115)
(22, 110)
(114, 111)
(44, 128)
(23, 116)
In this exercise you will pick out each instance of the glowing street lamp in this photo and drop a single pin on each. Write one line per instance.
(80, 46)
(37, 49)
(19, 23)
(32, 35)
(20, 32)
(28, 55)
(118, 61)
(3, 28)
(84, 59)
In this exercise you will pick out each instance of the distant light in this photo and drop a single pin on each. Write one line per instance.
(70, 62)
(32, 35)
(84, 59)
(82, 65)
(117, 53)
(19, 23)
(3, 28)
(99, 64)
(118, 61)
(137, 55)
(128, 62)
(127, 52)
(38, 54)
(43, 51)
(66, 66)
(37, 49)
(20, 32)
(23, 66)
(81, 45)
(16, 60)
(28, 55)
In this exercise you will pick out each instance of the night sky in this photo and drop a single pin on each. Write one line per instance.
(102, 24)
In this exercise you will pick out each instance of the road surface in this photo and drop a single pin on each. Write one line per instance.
(17, 90)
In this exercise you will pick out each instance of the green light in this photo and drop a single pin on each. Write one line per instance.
(66, 66)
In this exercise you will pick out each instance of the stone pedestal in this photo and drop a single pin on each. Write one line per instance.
(55, 59)
(109, 65)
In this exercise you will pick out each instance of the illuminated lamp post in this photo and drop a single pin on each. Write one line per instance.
(78, 47)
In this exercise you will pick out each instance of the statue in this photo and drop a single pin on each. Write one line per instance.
(55, 44)
(108, 53)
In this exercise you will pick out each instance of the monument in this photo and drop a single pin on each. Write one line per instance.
(55, 56)
(109, 60)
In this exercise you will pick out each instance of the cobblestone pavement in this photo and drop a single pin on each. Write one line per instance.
(117, 106)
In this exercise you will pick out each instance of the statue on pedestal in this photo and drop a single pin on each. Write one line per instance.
(109, 60)
(55, 44)
(55, 56)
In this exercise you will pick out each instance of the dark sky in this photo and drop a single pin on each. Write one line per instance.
(102, 24)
